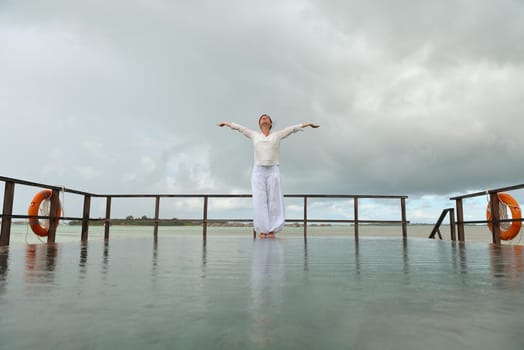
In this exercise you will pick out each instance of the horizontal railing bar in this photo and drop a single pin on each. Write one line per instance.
(471, 195)
(347, 221)
(36, 184)
(487, 222)
(149, 195)
(38, 217)
(487, 192)
(28, 183)
(472, 222)
(308, 220)
(82, 193)
(287, 220)
(343, 196)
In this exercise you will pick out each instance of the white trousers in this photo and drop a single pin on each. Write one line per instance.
(268, 199)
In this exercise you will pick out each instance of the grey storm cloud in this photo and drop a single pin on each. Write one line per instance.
(413, 97)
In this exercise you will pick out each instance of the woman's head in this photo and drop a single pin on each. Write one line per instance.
(264, 118)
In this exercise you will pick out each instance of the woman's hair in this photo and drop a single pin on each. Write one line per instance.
(265, 115)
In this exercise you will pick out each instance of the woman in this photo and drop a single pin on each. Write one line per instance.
(268, 199)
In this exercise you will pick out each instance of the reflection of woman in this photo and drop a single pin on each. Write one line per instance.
(266, 297)
(268, 200)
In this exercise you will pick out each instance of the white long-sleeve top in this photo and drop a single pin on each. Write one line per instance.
(266, 148)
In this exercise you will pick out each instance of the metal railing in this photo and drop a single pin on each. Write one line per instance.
(10, 183)
(494, 207)
(436, 228)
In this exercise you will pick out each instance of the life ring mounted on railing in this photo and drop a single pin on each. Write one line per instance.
(41, 229)
(514, 208)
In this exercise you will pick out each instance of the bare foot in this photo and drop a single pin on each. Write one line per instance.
(271, 235)
(263, 235)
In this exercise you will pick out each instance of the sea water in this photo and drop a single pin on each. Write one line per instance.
(21, 234)
(234, 292)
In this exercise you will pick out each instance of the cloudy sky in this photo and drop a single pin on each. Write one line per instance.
(418, 98)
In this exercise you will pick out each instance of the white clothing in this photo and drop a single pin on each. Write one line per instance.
(266, 148)
(268, 199)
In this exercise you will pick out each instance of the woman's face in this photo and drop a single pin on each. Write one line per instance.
(265, 119)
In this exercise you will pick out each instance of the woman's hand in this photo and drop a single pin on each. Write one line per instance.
(311, 125)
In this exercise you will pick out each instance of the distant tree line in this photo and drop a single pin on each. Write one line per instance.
(138, 221)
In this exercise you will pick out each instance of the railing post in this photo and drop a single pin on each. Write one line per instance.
(460, 219)
(85, 217)
(107, 222)
(53, 218)
(157, 210)
(7, 211)
(404, 221)
(305, 217)
(204, 220)
(452, 224)
(355, 214)
(495, 217)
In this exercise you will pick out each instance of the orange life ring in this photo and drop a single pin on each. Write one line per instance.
(34, 223)
(514, 207)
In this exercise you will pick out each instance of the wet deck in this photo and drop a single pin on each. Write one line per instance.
(329, 293)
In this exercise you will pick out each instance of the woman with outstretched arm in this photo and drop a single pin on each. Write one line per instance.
(268, 198)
